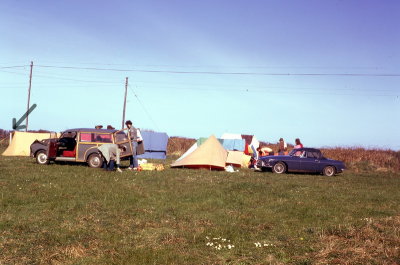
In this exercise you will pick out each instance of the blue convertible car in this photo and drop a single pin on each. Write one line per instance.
(308, 160)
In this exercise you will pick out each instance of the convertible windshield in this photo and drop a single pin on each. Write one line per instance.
(295, 152)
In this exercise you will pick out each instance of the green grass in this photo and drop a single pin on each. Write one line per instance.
(72, 214)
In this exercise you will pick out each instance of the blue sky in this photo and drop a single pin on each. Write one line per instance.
(324, 71)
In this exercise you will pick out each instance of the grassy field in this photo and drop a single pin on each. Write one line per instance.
(72, 214)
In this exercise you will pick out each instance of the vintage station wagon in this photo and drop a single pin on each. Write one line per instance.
(79, 145)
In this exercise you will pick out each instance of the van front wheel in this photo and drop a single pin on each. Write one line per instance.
(41, 157)
(95, 160)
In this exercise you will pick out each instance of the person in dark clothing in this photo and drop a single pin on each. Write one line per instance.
(282, 146)
(137, 145)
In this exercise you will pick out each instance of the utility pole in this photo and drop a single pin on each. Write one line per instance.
(29, 97)
(123, 112)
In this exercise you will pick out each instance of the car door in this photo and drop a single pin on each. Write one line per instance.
(85, 145)
(309, 162)
(122, 137)
(52, 149)
(293, 161)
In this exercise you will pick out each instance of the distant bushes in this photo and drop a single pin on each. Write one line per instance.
(179, 145)
(360, 159)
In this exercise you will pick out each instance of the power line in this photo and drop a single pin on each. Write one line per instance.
(78, 80)
(231, 87)
(63, 78)
(10, 72)
(217, 73)
(219, 66)
(243, 88)
(15, 66)
(144, 108)
(247, 90)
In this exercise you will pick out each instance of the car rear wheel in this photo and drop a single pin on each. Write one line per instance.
(279, 168)
(95, 161)
(41, 157)
(329, 171)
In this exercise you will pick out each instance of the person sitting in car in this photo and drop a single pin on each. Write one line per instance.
(298, 144)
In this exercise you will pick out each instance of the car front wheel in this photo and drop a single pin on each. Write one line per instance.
(279, 168)
(95, 160)
(329, 171)
(41, 158)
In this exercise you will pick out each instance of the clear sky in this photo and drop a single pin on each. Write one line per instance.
(327, 72)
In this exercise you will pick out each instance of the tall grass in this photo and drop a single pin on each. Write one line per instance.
(73, 214)
(360, 159)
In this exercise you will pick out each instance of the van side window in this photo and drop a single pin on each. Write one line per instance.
(121, 136)
(103, 138)
(86, 137)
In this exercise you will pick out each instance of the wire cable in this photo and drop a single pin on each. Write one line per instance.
(15, 66)
(144, 108)
(217, 73)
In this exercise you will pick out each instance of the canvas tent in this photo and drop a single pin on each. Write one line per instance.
(21, 142)
(234, 142)
(235, 158)
(155, 145)
(231, 136)
(211, 155)
(189, 151)
(202, 154)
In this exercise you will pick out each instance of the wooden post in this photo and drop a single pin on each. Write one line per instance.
(29, 98)
(123, 112)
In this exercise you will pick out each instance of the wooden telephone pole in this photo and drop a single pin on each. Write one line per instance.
(123, 112)
(29, 98)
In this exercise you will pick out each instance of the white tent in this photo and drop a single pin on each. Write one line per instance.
(231, 136)
(21, 142)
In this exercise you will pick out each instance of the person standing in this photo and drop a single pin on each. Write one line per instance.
(110, 153)
(282, 147)
(137, 145)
